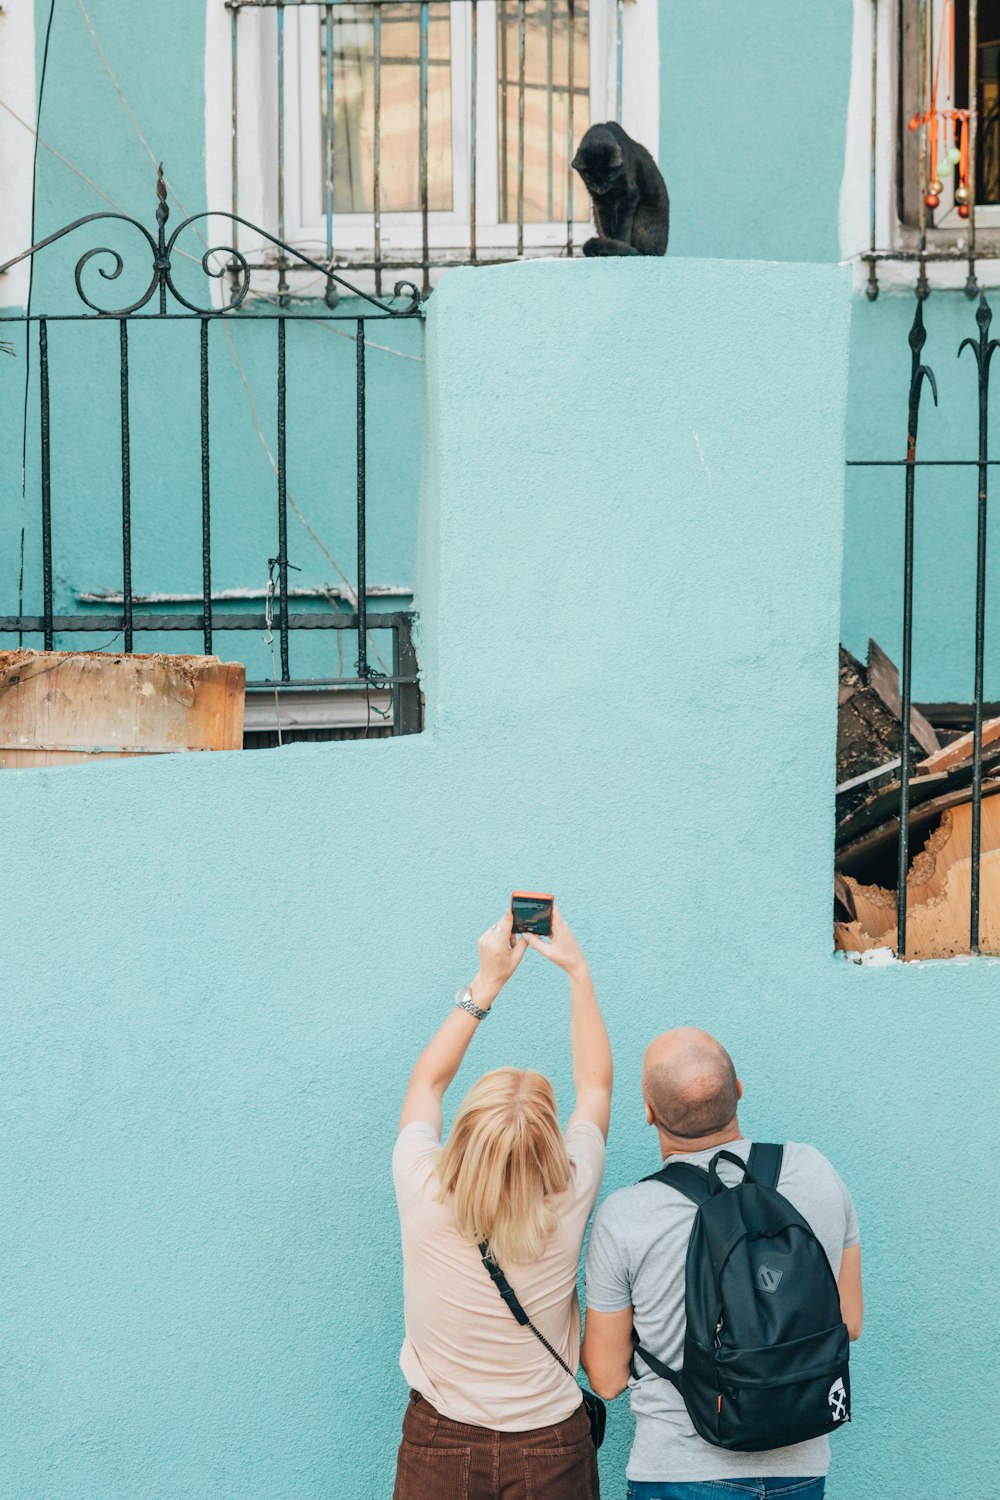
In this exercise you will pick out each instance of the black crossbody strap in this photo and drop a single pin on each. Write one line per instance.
(508, 1294)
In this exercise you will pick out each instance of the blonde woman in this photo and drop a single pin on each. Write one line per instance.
(491, 1414)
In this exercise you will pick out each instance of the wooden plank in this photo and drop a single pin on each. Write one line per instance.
(958, 750)
(60, 708)
(883, 676)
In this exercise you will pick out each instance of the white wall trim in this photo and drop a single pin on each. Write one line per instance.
(17, 89)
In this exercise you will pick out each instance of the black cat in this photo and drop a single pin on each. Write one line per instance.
(626, 187)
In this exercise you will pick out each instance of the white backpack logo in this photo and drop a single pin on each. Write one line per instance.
(838, 1400)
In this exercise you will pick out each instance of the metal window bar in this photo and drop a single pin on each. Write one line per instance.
(919, 237)
(206, 499)
(423, 251)
(983, 348)
(163, 303)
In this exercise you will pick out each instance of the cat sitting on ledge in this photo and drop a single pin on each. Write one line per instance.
(627, 191)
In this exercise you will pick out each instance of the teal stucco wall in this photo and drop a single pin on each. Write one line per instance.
(218, 969)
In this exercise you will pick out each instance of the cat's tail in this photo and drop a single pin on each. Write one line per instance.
(598, 245)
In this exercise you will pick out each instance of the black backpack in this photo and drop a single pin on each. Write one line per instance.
(766, 1349)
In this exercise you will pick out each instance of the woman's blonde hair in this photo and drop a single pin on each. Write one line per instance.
(504, 1160)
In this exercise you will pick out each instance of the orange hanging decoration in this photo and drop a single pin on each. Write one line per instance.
(944, 120)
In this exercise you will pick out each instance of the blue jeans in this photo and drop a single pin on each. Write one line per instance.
(728, 1489)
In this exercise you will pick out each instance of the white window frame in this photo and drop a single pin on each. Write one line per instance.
(401, 234)
(948, 231)
(17, 90)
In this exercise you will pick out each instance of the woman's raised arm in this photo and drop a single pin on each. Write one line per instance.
(442, 1057)
(593, 1071)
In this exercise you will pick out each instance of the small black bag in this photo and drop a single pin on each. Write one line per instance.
(766, 1349)
(596, 1409)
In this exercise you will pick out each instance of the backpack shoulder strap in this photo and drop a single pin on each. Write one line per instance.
(764, 1163)
(688, 1179)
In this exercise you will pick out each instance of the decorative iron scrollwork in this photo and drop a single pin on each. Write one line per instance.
(404, 304)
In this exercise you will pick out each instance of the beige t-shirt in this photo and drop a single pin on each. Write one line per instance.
(464, 1352)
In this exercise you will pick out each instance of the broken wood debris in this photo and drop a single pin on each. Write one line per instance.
(869, 756)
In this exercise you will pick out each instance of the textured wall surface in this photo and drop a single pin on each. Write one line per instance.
(753, 112)
(218, 970)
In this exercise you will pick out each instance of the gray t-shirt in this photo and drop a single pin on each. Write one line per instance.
(636, 1257)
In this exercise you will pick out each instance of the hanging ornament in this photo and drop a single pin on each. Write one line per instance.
(936, 189)
(932, 200)
(961, 195)
(954, 156)
(963, 210)
(944, 168)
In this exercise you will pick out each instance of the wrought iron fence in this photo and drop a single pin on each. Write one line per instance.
(898, 794)
(161, 303)
(481, 102)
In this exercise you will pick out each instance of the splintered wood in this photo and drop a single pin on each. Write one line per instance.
(939, 880)
(938, 890)
(57, 707)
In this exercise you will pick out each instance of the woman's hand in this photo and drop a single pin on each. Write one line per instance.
(499, 956)
(563, 948)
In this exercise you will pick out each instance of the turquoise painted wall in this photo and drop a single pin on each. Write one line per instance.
(753, 113)
(218, 969)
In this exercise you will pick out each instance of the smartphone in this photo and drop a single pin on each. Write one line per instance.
(532, 912)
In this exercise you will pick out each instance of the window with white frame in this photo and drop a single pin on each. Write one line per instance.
(922, 179)
(399, 136)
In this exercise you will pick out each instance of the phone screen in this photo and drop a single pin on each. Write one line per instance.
(532, 912)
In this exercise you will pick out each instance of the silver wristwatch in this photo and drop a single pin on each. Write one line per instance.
(465, 1000)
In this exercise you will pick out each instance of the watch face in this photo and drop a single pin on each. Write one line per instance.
(465, 993)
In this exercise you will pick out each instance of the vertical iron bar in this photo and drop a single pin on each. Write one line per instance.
(406, 705)
(362, 578)
(43, 389)
(282, 263)
(520, 126)
(126, 492)
(918, 372)
(377, 150)
(423, 148)
(282, 504)
(234, 165)
(984, 353)
(872, 288)
(549, 137)
(504, 203)
(571, 72)
(619, 16)
(206, 518)
(473, 130)
(922, 286)
(973, 128)
(328, 143)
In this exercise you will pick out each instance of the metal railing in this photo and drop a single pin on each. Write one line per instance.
(363, 82)
(168, 305)
(944, 92)
(926, 794)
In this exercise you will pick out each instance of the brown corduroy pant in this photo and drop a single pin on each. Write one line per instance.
(444, 1460)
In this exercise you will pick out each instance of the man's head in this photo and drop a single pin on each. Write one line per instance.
(690, 1088)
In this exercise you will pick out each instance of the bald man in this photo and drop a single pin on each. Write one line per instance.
(635, 1279)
